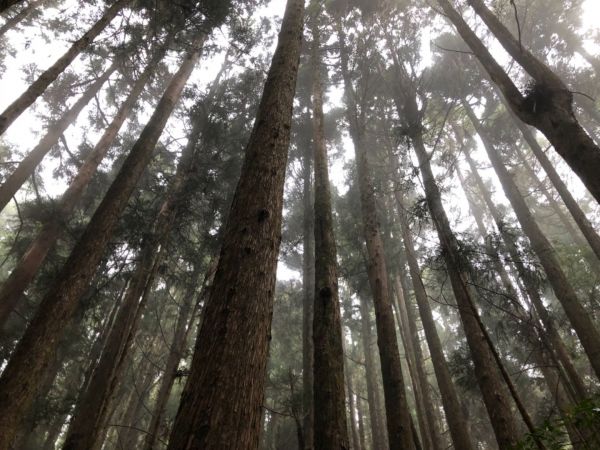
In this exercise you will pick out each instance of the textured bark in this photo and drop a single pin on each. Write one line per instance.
(455, 418)
(579, 318)
(19, 17)
(37, 88)
(27, 166)
(36, 348)
(185, 322)
(308, 290)
(33, 258)
(531, 289)
(373, 400)
(330, 430)
(549, 109)
(5, 4)
(398, 417)
(222, 399)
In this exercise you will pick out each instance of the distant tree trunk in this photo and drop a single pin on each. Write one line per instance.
(352, 409)
(361, 423)
(455, 418)
(53, 432)
(221, 403)
(25, 270)
(37, 88)
(532, 291)
(19, 17)
(185, 322)
(30, 358)
(578, 215)
(330, 430)
(429, 430)
(27, 166)
(308, 291)
(373, 400)
(579, 318)
(548, 107)
(5, 4)
(397, 413)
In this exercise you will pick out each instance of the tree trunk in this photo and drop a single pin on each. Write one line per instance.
(531, 289)
(221, 403)
(457, 423)
(37, 88)
(373, 400)
(185, 322)
(548, 107)
(5, 4)
(27, 166)
(33, 258)
(330, 430)
(30, 358)
(308, 290)
(352, 409)
(397, 413)
(579, 318)
(19, 17)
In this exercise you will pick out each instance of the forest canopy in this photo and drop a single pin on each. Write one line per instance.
(299, 224)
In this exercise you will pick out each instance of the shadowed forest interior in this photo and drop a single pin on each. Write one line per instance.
(299, 224)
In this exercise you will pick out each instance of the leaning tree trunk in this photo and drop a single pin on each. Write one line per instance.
(222, 399)
(548, 107)
(19, 17)
(37, 88)
(457, 422)
(330, 432)
(398, 416)
(33, 258)
(579, 318)
(575, 381)
(36, 348)
(27, 166)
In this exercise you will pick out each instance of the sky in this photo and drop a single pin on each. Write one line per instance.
(32, 48)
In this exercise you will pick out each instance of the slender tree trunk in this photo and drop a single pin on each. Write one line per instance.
(30, 358)
(578, 215)
(185, 322)
(37, 88)
(455, 418)
(579, 318)
(5, 4)
(19, 17)
(330, 424)
(352, 409)
(532, 290)
(33, 258)
(27, 166)
(308, 290)
(397, 413)
(548, 107)
(221, 403)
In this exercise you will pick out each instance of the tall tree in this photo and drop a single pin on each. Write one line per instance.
(37, 88)
(34, 351)
(221, 403)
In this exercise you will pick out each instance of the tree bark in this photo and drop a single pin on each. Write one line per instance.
(33, 258)
(37, 88)
(548, 107)
(330, 430)
(579, 318)
(19, 17)
(30, 358)
(221, 403)
(27, 166)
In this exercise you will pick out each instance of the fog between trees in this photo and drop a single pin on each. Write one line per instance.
(339, 224)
